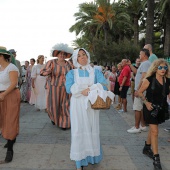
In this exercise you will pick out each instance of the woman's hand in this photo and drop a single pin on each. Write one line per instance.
(136, 94)
(85, 92)
(120, 88)
(111, 78)
(149, 106)
(33, 86)
(2, 96)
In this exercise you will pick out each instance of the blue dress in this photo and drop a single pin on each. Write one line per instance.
(85, 140)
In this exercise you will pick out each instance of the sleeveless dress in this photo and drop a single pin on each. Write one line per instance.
(156, 97)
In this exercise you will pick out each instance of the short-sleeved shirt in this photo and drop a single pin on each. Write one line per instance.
(4, 76)
(143, 68)
(152, 58)
(98, 67)
(126, 72)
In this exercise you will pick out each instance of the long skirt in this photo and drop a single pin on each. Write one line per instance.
(23, 91)
(58, 106)
(32, 96)
(10, 109)
(0, 119)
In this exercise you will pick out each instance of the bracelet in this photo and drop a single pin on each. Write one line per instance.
(145, 101)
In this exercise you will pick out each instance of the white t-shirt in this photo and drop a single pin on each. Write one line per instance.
(4, 76)
(143, 68)
(98, 68)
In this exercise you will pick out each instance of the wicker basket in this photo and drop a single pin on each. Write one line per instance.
(100, 104)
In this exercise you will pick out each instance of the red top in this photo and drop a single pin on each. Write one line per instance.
(126, 72)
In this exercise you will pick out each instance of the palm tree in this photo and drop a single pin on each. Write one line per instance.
(84, 19)
(134, 8)
(164, 8)
(104, 17)
(150, 21)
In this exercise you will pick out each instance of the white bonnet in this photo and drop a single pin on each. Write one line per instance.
(75, 56)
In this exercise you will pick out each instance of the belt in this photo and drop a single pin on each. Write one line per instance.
(4, 90)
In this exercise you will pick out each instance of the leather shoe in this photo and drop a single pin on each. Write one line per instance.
(9, 156)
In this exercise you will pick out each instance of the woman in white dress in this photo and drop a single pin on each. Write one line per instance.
(38, 84)
(107, 75)
(85, 140)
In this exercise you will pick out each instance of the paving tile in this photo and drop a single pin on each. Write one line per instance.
(42, 146)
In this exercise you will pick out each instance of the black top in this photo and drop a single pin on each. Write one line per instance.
(156, 95)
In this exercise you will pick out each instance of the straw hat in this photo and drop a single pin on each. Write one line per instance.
(4, 51)
(62, 47)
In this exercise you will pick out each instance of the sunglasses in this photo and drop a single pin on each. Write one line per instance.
(162, 67)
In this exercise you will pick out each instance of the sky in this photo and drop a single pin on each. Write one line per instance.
(33, 27)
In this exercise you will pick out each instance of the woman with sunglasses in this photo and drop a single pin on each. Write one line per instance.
(155, 109)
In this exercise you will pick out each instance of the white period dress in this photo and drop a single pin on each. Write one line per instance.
(39, 90)
(84, 121)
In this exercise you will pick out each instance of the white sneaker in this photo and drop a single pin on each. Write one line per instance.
(134, 130)
(121, 111)
(167, 130)
(144, 128)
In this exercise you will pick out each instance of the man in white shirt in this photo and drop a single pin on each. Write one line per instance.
(96, 66)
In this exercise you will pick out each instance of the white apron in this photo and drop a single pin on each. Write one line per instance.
(85, 139)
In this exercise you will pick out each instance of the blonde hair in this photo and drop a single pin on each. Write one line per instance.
(39, 58)
(154, 67)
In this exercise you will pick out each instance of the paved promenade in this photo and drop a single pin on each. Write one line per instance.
(42, 146)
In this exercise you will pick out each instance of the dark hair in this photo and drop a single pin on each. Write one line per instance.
(146, 51)
(108, 67)
(95, 62)
(33, 59)
(27, 61)
(58, 52)
(6, 57)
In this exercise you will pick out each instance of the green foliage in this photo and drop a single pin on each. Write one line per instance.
(110, 30)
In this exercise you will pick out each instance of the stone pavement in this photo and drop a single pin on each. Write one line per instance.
(42, 146)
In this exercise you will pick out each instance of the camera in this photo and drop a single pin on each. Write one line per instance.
(156, 109)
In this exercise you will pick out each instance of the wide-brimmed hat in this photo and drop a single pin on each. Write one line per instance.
(62, 47)
(12, 51)
(4, 51)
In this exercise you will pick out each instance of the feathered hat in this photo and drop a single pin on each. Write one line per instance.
(62, 47)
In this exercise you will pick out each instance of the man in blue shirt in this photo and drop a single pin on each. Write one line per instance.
(152, 56)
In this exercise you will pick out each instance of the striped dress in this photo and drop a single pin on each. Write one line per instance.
(58, 101)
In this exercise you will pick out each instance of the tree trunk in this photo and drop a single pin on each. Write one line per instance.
(150, 21)
(167, 35)
(136, 33)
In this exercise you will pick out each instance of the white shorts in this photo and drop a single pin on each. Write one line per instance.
(138, 104)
